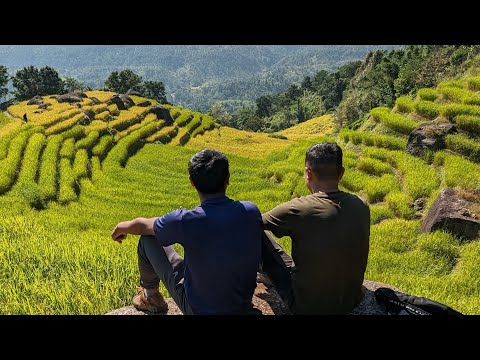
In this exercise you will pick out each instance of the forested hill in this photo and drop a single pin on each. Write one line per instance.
(195, 76)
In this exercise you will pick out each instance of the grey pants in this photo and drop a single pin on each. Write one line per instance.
(156, 263)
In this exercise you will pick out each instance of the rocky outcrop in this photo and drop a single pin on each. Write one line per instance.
(162, 113)
(36, 100)
(122, 101)
(74, 97)
(429, 136)
(4, 105)
(95, 100)
(267, 300)
(144, 103)
(452, 213)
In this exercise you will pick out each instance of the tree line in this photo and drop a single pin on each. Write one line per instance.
(354, 89)
(31, 81)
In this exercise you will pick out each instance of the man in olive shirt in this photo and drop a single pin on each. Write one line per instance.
(330, 232)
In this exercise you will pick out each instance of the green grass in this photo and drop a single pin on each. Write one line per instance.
(404, 104)
(427, 94)
(463, 145)
(394, 121)
(468, 123)
(427, 109)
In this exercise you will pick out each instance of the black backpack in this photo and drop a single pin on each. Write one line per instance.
(397, 303)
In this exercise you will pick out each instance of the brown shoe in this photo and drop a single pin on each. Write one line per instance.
(154, 304)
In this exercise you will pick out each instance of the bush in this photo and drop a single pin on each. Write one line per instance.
(103, 146)
(374, 166)
(474, 83)
(396, 122)
(468, 123)
(427, 109)
(278, 136)
(399, 203)
(404, 104)
(88, 141)
(463, 145)
(48, 167)
(427, 94)
(68, 149)
(33, 195)
(80, 165)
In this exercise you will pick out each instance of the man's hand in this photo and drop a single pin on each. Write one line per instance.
(138, 226)
(121, 231)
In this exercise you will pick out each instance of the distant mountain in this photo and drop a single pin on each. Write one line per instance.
(195, 75)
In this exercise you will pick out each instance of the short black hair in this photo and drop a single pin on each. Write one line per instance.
(325, 159)
(208, 169)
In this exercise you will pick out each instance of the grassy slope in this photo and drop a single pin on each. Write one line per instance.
(62, 261)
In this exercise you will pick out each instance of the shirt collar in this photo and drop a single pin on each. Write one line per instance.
(215, 200)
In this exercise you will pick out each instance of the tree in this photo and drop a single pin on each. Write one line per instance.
(310, 105)
(220, 115)
(154, 90)
(123, 81)
(50, 82)
(247, 119)
(31, 81)
(72, 84)
(3, 81)
(264, 106)
(26, 82)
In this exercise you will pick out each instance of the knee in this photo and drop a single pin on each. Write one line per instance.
(142, 240)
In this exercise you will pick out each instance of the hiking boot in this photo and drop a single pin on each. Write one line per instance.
(154, 304)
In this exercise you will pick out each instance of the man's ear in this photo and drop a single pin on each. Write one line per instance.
(341, 173)
(308, 173)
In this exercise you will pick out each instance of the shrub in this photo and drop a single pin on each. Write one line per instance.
(48, 167)
(67, 185)
(427, 109)
(474, 83)
(278, 136)
(374, 166)
(399, 203)
(68, 149)
(103, 146)
(31, 156)
(468, 123)
(404, 104)
(427, 94)
(463, 145)
(80, 165)
(396, 122)
(88, 141)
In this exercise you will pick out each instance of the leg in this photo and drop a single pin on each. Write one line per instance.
(156, 263)
(277, 264)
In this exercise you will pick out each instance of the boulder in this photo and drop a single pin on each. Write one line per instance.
(95, 100)
(162, 113)
(69, 98)
(122, 101)
(144, 103)
(36, 100)
(89, 113)
(127, 100)
(44, 105)
(267, 300)
(451, 212)
(429, 136)
(79, 94)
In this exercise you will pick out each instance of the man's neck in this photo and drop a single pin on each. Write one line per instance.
(326, 187)
(204, 197)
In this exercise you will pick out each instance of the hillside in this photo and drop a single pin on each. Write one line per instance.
(62, 260)
(194, 75)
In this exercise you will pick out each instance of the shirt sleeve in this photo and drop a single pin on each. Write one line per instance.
(168, 228)
(279, 220)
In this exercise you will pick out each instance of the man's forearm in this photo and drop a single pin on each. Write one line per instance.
(140, 226)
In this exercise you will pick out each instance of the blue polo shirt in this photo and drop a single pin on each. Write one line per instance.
(222, 248)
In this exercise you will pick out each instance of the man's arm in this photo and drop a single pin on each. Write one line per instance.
(279, 219)
(138, 226)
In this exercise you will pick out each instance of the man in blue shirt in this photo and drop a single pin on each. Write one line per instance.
(222, 241)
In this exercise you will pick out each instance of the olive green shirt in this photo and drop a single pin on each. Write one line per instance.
(330, 242)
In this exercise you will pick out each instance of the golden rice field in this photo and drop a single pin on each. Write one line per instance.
(62, 192)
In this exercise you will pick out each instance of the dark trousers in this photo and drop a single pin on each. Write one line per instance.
(156, 263)
(278, 265)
